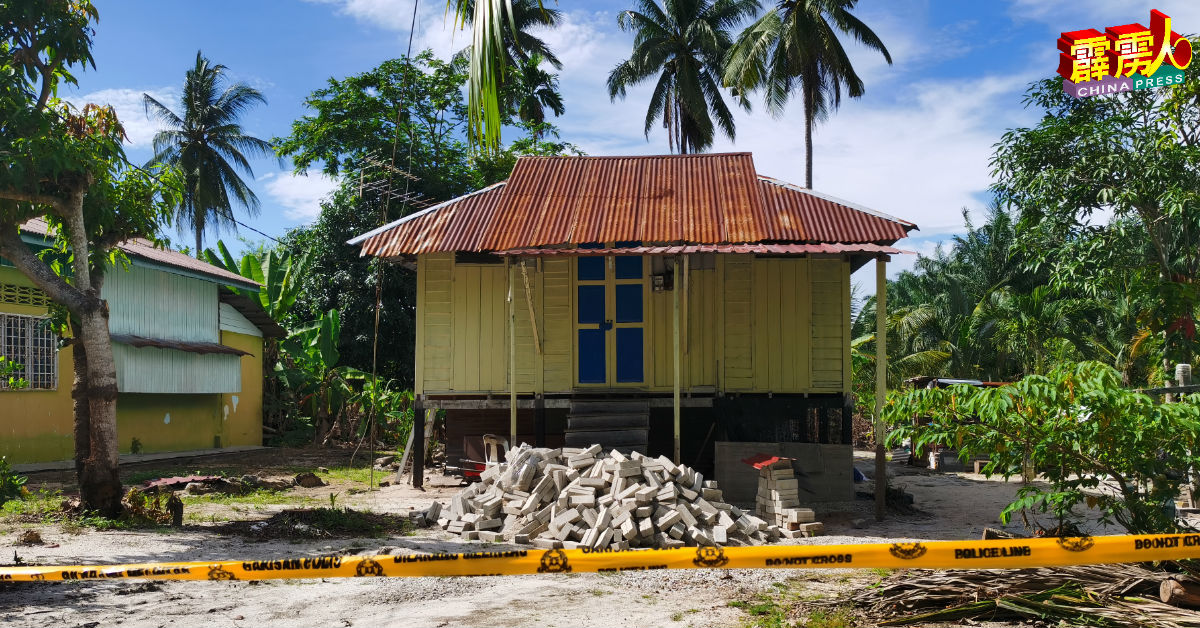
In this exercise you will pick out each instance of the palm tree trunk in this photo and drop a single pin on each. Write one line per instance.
(808, 131)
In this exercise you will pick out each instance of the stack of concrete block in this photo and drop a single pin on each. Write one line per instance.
(586, 498)
(778, 502)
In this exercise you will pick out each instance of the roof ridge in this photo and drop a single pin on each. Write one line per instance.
(661, 156)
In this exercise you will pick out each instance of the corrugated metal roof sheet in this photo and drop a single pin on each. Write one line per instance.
(692, 199)
(147, 250)
(684, 249)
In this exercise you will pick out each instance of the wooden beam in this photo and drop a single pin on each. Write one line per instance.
(537, 339)
(512, 354)
(554, 402)
(675, 293)
(880, 386)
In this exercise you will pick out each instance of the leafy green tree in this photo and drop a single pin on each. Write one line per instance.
(66, 166)
(795, 47)
(206, 143)
(1095, 442)
(1130, 156)
(376, 115)
(684, 43)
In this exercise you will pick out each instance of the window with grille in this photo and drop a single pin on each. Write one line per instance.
(28, 342)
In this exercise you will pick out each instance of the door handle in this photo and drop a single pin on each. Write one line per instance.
(605, 326)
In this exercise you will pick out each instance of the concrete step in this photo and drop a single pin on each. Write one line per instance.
(607, 421)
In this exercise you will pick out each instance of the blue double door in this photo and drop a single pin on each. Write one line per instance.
(610, 320)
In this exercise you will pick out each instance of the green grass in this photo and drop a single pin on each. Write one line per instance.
(261, 497)
(836, 618)
(354, 474)
(763, 612)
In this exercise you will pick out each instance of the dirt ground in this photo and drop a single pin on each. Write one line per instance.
(955, 506)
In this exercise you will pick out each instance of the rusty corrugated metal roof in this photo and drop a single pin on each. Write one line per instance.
(147, 250)
(665, 199)
(685, 249)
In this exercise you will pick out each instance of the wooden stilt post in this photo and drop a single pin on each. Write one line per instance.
(512, 353)
(418, 442)
(880, 385)
(675, 292)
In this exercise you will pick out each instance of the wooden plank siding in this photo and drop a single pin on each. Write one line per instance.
(754, 325)
(830, 324)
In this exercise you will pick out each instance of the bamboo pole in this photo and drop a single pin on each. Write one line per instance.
(880, 385)
(512, 354)
(675, 291)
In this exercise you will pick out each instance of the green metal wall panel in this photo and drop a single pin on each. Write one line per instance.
(153, 370)
(153, 304)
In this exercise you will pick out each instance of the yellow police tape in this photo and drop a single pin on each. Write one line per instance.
(1001, 554)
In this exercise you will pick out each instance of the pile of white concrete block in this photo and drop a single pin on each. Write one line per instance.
(778, 502)
(587, 498)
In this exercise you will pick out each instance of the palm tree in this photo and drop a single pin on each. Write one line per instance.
(684, 42)
(208, 146)
(518, 20)
(532, 91)
(500, 36)
(795, 47)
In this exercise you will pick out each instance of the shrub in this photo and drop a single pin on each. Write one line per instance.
(12, 486)
(1095, 442)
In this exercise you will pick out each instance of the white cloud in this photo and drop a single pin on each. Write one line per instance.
(1100, 14)
(130, 110)
(299, 195)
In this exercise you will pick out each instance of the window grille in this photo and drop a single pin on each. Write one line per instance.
(28, 342)
(23, 295)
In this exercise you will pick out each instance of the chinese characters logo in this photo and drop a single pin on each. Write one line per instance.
(1123, 58)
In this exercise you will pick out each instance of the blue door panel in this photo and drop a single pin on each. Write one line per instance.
(628, 267)
(591, 356)
(591, 269)
(629, 354)
(591, 304)
(629, 303)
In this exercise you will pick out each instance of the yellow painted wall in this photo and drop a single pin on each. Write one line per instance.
(753, 325)
(242, 412)
(38, 426)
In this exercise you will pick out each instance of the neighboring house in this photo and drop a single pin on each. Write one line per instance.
(677, 305)
(188, 353)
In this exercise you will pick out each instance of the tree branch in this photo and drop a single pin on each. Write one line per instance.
(36, 199)
(14, 249)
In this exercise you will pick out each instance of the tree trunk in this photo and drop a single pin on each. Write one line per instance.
(808, 131)
(79, 402)
(99, 480)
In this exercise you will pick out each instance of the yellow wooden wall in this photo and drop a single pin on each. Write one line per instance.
(753, 325)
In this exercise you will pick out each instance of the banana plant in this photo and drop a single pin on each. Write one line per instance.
(310, 369)
(279, 274)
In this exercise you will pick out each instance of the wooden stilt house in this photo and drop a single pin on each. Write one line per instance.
(680, 305)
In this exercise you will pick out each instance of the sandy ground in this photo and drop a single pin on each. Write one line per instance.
(955, 505)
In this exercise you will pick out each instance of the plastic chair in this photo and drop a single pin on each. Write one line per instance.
(495, 449)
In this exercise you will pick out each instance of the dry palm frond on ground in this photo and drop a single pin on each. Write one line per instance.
(1098, 595)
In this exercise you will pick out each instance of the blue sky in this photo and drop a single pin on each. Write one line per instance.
(916, 145)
